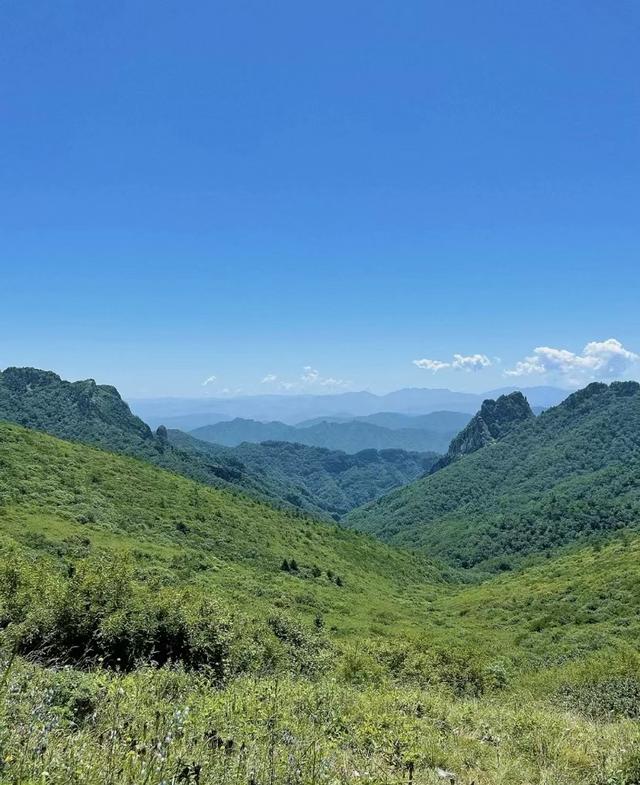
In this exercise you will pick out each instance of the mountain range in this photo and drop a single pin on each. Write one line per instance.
(319, 482)
(479, 624)
(429, 433)
(292, 409)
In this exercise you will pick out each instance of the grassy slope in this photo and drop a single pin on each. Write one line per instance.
(386, 708)
(563, 609)
(96, 415)
(570, 474)
(65, 499)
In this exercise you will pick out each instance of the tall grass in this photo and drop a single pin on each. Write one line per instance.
(165, 725)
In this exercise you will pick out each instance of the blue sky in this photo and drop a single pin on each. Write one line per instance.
(243, 190)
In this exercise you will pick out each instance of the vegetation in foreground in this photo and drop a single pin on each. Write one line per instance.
(170, 726)
(158, 631)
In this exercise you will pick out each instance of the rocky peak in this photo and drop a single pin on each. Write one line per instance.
(494, 420)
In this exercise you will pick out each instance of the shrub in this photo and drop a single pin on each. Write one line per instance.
(99, 613)
(613, 698)
(306, 651)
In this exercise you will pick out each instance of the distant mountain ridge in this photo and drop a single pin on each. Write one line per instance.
(350, 436)
(438, 422)
(292, 409)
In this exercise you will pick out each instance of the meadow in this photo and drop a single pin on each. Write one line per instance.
(158, 631)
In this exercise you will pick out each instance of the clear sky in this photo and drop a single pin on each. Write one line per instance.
(246, 189)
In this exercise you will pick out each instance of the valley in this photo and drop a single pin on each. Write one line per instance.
(510, 569)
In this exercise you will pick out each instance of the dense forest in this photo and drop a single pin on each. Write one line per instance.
(569, 475)
(320, 481)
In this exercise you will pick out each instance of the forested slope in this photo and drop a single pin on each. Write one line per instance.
(568, 475)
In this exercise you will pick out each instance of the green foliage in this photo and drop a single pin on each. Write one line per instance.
(565, 477)
(67, 501)
(319, 482)
(610, 698)
(98, 613)
(169, 725)
(149, 633)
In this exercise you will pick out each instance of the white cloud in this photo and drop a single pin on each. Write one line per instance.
(312, 377)
(460, 362)
(209, 380)
(431, 365)
(473, 362)
(309, 378)
(599, 359)
(611, 356)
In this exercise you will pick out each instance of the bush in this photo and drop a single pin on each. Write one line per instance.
(99, 613)
(613, 698)
(306, 651)
(630, 769)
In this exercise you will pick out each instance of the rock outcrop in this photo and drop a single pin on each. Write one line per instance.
(494, 420)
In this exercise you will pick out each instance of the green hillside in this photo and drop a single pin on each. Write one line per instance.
(65, 500)
(294, 651)
(326, 483)
(96, 414)
(570, 475)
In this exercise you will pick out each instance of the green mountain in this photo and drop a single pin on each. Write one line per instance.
(64, 504)
(325, 485)
(322, 482)
(494, 421)
(565, 477)
(298, 651)
(350, 436)
(286, 641)
(96, 414)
